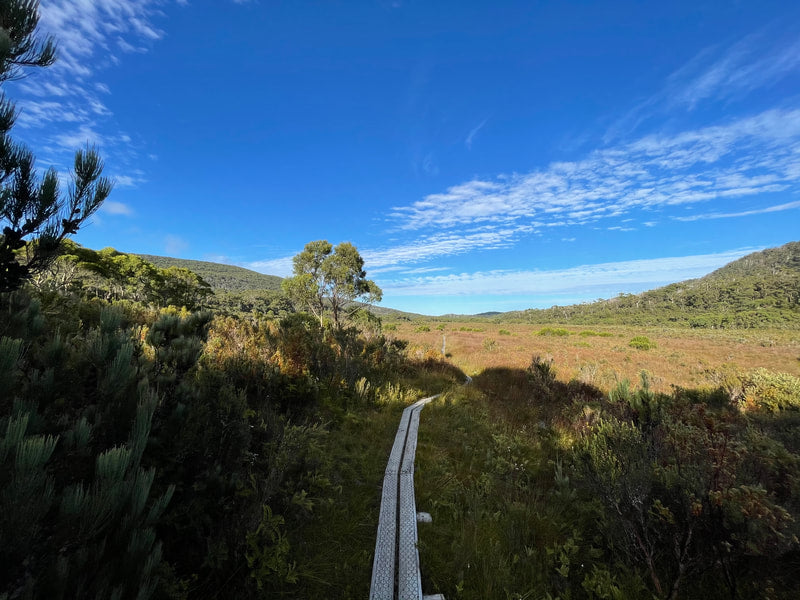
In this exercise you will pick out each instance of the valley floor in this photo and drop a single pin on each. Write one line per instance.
(603, 356)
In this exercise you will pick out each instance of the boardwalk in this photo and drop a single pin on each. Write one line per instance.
(395, 570)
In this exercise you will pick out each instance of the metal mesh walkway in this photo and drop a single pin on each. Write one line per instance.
(395, 569)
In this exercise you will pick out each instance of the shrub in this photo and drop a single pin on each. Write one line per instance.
(557, 331)
(489, 345)
(772, 391)
(590, 333)
(542, 369)
(422, 329)
(504, 332)
(641, 342)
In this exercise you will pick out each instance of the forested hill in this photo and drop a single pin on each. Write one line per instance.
(759, 290)
(220, 277)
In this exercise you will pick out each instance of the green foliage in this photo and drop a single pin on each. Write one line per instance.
(328, 279)
(772, 392)
(557, 331)
(666, 471)
(504, 332)
(268, 552)
(422, 328)
(641, 342)
(114, 275)
(152, 453)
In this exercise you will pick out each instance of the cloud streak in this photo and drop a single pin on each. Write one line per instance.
(472, 133)
(745, 213)
(577, 281)
(717, 74)
(746, 157)
(750, 64)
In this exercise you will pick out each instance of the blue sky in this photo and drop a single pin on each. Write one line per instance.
(481, 155)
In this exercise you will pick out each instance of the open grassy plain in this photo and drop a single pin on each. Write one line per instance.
(603, 356)
(560, 480)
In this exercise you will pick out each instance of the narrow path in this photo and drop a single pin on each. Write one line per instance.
(395, 569)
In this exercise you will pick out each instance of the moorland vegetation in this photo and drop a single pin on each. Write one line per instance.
(161, 439)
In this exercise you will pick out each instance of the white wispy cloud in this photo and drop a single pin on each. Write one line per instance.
(129, 180)
(717, 74)
(62, 107)
(85, 28)
(36, 113)
(744, 213)
(395, 258)
(112, 207)
(282, 267)
(421, 270)
(753, 62)
(601, 278)
(745, 157)
(77, 138)
(472, 133)
(437, 245)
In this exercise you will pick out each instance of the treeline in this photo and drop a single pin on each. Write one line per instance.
(757, 291)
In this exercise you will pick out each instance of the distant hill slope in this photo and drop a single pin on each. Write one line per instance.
(758, 290)
(220, 277)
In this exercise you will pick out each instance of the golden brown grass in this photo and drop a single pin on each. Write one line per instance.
(682, 357)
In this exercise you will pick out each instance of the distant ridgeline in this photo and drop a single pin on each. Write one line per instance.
(220, 277)
(759, 290)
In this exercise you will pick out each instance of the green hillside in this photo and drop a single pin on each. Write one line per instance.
(242, 290)
(759, 290)
(220, 277)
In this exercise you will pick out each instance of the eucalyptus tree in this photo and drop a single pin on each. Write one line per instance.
(330, 280)
(34, 215)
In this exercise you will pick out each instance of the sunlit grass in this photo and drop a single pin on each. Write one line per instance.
(682, 357)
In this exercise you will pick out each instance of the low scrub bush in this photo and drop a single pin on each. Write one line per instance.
(772, 392)
(556, 331)
(504, 332)
(641, 342)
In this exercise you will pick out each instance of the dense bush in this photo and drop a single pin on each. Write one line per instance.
(641, 342)
(167, 453)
